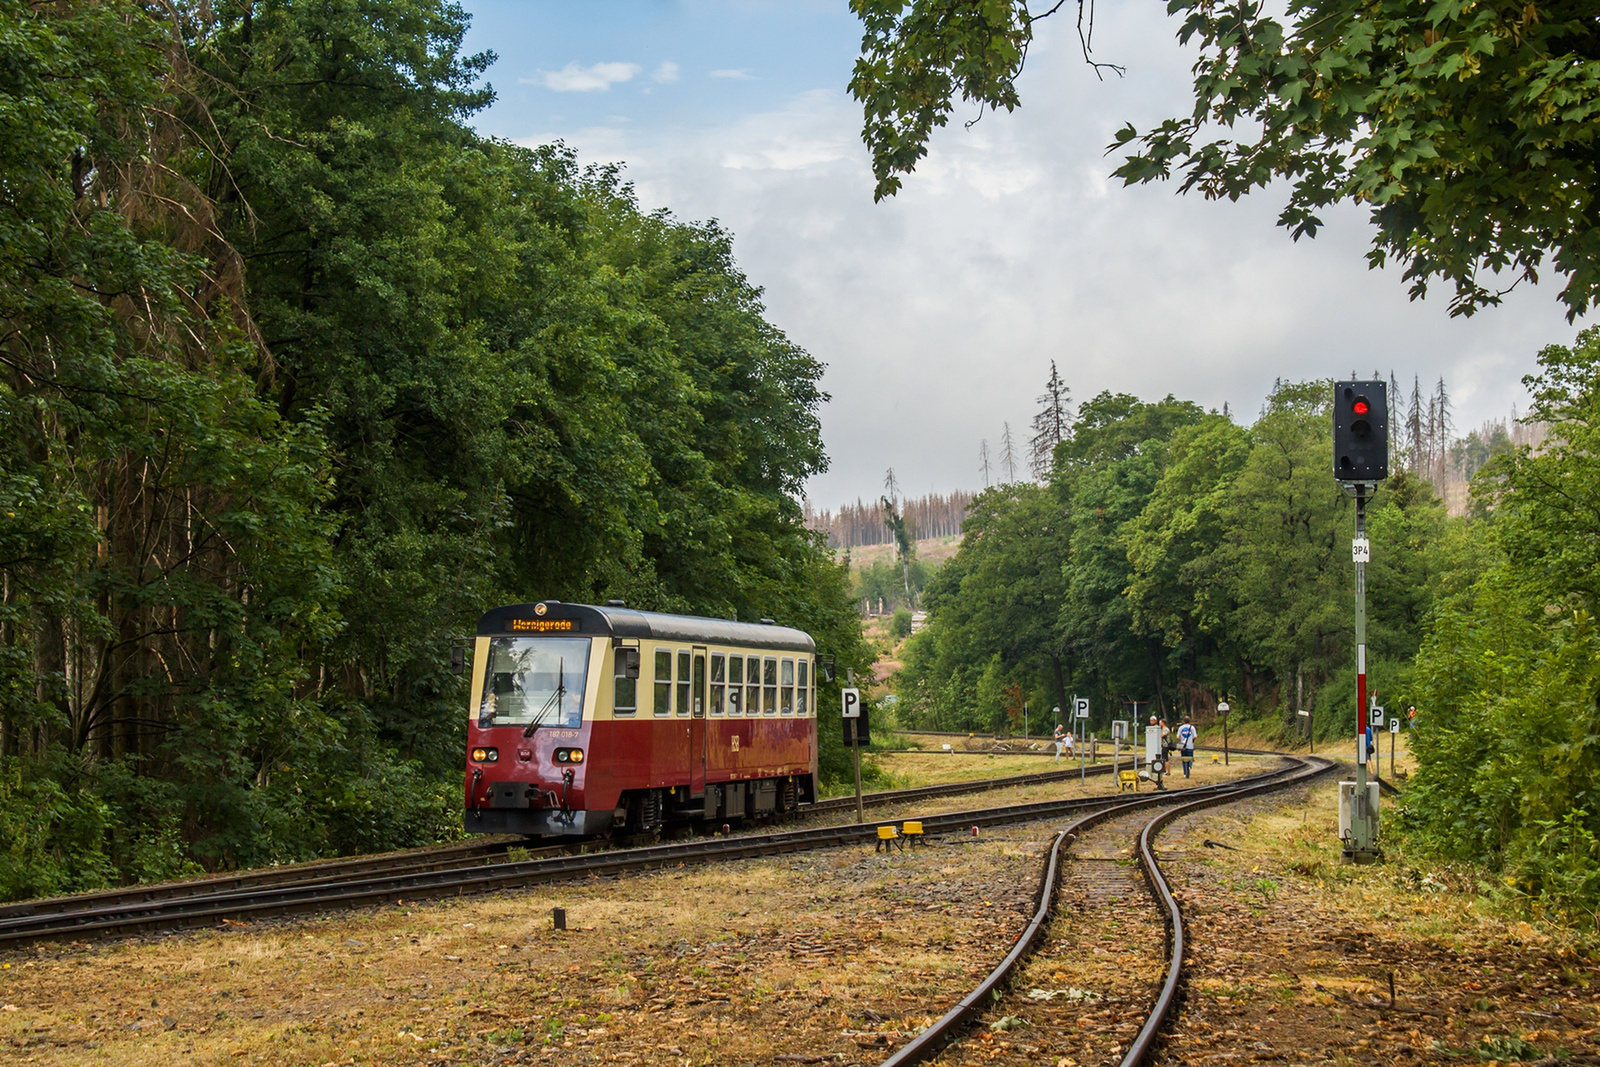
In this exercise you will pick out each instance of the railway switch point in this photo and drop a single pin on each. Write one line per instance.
(911, 830)
(888, 838)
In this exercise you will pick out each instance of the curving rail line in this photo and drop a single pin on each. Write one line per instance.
(434, 858)
(930, 1041)
(124, 916)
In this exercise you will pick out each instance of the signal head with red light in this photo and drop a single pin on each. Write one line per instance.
(1361, 431)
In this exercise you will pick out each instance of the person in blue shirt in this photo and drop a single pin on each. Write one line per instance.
(1187, 735)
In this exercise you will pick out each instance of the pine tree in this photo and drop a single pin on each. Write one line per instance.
(1051, 425)
(1008, 454)
(1414, 426)
(983, 460)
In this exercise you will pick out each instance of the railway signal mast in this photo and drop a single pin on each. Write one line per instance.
(1360, 462)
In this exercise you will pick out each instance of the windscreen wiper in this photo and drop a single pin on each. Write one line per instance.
(555, 698)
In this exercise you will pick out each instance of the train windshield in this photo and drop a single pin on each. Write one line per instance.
(534, 681)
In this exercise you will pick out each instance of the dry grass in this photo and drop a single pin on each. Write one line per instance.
(722, 964)
(1295, 951)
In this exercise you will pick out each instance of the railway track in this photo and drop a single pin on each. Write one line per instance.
(123, 915)
(434, 858)
(1121, 818)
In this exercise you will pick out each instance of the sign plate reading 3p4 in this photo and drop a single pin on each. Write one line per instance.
(1361, 550)
(852, 703)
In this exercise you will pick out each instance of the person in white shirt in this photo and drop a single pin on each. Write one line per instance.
(1187, 735)
(1060, 733)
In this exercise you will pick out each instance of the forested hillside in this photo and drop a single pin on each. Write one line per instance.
(1176, 557)
(301, 375)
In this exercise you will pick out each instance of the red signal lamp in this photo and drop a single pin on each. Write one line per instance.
(1360, 407)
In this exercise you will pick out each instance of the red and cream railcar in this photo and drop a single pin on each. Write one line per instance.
(587, 718)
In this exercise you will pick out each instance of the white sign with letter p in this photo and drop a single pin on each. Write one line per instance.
(852, 703)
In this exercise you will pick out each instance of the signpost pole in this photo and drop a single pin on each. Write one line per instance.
(1362, 848)
(1222, 709)
(860, 809)
(1080, 712)
(851, 698)
(1360, 462)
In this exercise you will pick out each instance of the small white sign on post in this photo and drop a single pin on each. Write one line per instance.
(1081, 707)
(852, 703)
(1361, 550)
(1119, 730)
(1375, 716)
(1394, 725)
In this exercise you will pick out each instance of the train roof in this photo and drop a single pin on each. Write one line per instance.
(618, 621)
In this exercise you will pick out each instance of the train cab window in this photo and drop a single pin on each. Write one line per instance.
(802, 705)
(663, 680)
(752, 686)
(683, 683)
(769, 682)
(719, 682)
(625, 681)
(735, 684)
(533, 682)
(786, 674)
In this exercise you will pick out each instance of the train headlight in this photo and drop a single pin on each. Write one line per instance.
(569, 755)
(485, 755)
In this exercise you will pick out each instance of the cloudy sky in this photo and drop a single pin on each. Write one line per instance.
(939, 311)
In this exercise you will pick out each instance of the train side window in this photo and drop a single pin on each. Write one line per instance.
(802, 705)
(663, 680)
(752, 687)
(769, 682)
(625, 681)
(786, 702)
(735, 684)
(719, 682)
(683, 683)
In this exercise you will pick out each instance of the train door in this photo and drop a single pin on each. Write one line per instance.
(697, 726)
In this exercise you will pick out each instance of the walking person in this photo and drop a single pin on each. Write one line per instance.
(1060, 733)
(1187, 735)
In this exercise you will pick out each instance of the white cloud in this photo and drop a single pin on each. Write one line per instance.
(575, 79)
(666, 73)
(938, 311)
(735, 75)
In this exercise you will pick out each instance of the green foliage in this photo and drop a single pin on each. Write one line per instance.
(1509, 734)
(900, 624)
(1469, 129)
(54, 834)
(301, 374)
(1179, 558)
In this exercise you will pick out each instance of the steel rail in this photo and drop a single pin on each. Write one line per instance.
(366, 890)
(935, 1037)
(1144, 1041)
(951, 789)
(435, 857)
(310, 873)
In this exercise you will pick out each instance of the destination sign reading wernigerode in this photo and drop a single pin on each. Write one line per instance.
(543, 625)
